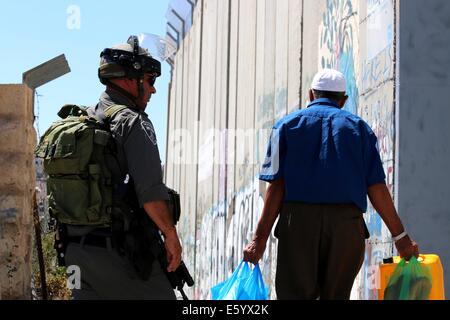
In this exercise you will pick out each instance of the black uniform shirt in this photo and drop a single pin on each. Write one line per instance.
(137, 148)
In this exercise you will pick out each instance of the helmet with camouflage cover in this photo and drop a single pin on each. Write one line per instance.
(127, 60)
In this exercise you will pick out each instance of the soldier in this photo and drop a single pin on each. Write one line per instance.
(129, 73)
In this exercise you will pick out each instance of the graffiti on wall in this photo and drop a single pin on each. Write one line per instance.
(378, 111)
(367, 282)
(229, 225)
(379, 26)
(377, 71)
(340, 38)
(338, 41)
(210, 251)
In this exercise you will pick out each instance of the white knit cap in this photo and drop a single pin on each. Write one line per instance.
(329, 80)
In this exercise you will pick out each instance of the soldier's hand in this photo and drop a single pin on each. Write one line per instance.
(173, 249)
(254, 250)
(407, 248)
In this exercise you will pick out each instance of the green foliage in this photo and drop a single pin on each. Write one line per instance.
(55, 276)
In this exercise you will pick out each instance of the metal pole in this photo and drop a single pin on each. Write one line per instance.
(37, 230)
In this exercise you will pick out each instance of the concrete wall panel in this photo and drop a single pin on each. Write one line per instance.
(281, 57)
(174, 140)
(423, 121)
(313, 11)
(204, 272)
(233, 83)
(294, 51)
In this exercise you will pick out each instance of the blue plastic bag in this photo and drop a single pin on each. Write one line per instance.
(254, 288)
(243, 284)
(230, 288)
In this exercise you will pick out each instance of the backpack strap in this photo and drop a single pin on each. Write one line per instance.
(72, 110)
(103, 116)
(111, 111)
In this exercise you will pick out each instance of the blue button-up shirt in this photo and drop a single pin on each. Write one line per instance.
(325, 154)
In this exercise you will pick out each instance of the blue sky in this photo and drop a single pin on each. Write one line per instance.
(33, 32)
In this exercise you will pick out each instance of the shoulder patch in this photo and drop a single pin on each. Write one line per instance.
(149, 131)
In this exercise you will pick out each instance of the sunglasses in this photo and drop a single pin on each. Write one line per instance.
(151, 80)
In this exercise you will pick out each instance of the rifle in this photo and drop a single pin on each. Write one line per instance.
(181, 275)
(141, 241)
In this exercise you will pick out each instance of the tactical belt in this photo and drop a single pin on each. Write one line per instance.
(97, 238)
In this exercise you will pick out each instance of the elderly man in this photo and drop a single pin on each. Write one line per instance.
(321, 164)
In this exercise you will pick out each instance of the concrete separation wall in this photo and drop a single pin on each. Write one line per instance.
(18, 140)
(244, 65)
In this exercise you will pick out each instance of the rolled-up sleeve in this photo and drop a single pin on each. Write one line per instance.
(144, 163)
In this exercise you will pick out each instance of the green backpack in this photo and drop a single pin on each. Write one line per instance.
(79, 184)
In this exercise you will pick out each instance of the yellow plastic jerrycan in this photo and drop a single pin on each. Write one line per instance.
(432, 261)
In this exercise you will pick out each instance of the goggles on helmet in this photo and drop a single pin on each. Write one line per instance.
(135, 65)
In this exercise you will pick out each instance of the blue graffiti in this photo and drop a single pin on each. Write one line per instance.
(347, 67)
(373, 222)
